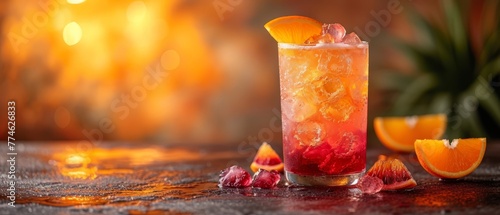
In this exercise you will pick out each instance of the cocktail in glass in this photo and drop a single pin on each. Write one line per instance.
(324, 94)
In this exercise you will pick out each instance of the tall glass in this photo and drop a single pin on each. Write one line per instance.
(324, 96)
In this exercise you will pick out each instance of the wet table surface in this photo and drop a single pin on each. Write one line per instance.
(122, 178)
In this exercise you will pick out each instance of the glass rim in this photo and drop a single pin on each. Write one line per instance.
(321, 45)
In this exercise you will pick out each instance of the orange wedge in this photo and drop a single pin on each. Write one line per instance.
(293, 29)
(393, 173)
(450, 160)
(399, 133)
(266, 158)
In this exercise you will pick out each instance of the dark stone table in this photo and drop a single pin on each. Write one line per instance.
(122, 178)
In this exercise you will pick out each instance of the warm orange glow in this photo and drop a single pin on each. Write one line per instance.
(136, 11)
(168, 70)
(170, 60)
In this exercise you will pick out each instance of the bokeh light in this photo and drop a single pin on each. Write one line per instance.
(72, 33)
(75, 1)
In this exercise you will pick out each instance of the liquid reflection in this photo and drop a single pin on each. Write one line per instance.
(448, 198)
(77, 166)
(132, 196)
(77, 160)
(123, 176)
(65, 200)
(102, 161)
(80, 173)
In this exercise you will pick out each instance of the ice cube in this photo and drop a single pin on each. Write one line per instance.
(350, 143)
(336, 30)
(329, 89)
(338, 111)
(351, 38)
(266, 179)
(309, 133)
(234, 176)
(325, 58)
(341, 66)
(359, 92)
(335, 164)
(370, 184)
(309, 76)
(316, 154)
(320, 39)
(298, 108)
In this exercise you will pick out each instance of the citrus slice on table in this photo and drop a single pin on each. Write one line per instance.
(399, 133)
(266, 158)
(450, 160)
(293, 29)
(393, 173)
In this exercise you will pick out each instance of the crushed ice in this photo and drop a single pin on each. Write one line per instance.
(334, 33)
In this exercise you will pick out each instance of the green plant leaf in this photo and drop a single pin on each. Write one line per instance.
(491, 48)
(474, 125)
(438, 40)
(490, 69)
(486, 96)
(424, 60)
(414, 92)
(463, 54)
(451, 75)
(441, 103)
(492, 105)
(391, 80)
(456, 26)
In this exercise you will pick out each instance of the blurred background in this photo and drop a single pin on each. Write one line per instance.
(206, 72)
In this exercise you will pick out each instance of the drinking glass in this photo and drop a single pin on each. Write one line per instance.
(324, 96)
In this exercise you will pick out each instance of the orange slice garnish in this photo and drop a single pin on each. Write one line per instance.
(454, 159)
(293, 29)
(399, 133)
